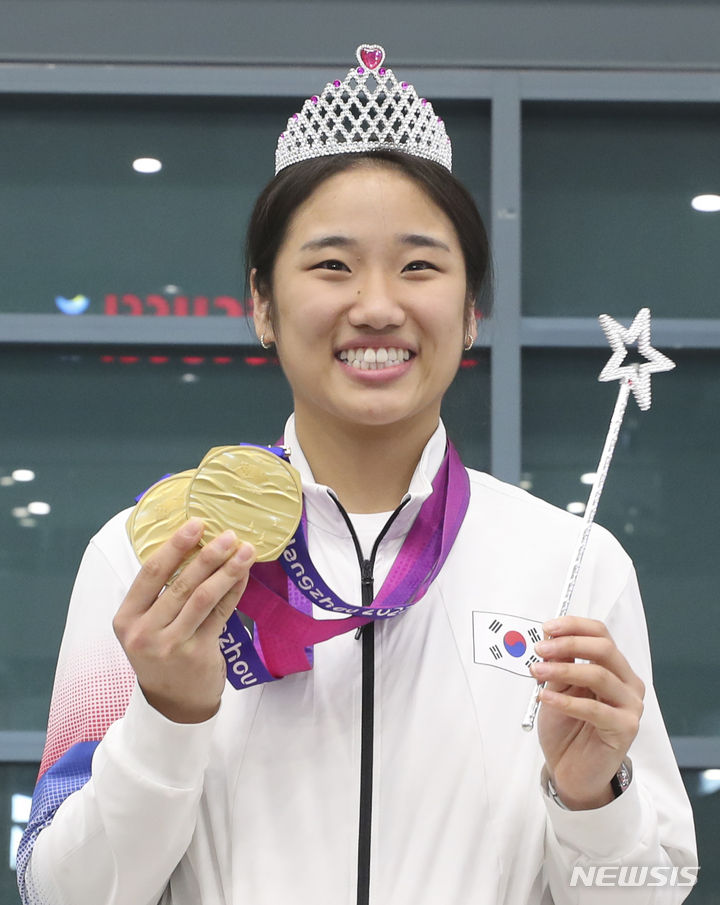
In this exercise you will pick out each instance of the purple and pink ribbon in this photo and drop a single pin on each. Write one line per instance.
(279, 595)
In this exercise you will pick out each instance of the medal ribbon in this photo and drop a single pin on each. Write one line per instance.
(280, 594)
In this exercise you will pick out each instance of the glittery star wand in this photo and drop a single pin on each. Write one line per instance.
(635, 379)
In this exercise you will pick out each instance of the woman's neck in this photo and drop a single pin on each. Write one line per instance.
(368, 467)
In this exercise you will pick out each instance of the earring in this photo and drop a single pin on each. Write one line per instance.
(263, 343)
(468, 342)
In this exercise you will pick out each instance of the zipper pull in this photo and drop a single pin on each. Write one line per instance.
(366, 588)
(366, 582)
(366, 573)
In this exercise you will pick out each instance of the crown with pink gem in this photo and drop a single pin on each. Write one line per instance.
(368, 111)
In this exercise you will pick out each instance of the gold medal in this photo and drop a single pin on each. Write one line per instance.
(158, 514)
(250, 490)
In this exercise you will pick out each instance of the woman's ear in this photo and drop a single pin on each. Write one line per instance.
(261, 311)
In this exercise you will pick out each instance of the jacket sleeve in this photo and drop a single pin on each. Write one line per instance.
(645, 837)
(116, 776)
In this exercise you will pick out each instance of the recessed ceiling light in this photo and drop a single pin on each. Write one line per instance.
(38, 508)
(577, 508)
(147, 165)
(23, 474)
(706, 203)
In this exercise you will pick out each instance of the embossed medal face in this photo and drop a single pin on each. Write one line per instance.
(250, 490)
(158, 514)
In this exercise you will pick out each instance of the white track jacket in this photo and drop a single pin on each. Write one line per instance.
(259, 805)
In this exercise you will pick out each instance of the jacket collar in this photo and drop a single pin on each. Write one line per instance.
(322, 512)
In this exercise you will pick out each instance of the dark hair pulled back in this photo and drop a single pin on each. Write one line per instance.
(295, 184)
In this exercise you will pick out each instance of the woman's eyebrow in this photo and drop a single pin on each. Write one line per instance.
(416, 240)
(328, 242)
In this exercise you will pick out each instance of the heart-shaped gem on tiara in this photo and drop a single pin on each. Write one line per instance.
(370, 55)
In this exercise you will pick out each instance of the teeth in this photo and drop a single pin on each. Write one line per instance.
(374, 359)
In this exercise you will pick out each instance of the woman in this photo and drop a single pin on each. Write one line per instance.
(395, 770)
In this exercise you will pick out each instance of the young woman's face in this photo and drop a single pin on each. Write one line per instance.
(369, 291)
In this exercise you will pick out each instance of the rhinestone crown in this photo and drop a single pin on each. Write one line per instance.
(368, 111)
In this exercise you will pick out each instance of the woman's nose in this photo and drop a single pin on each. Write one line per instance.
(377, 305)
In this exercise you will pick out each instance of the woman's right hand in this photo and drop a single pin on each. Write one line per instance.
(170, 632)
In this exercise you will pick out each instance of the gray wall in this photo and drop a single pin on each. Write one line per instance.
(583, 33)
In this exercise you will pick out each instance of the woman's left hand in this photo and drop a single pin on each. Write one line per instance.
(590, 712)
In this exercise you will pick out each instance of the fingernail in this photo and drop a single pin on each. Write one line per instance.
(227, 540)
(193, 527)
(552, 626)
(543, 648)
(539, 670)
(244, 554)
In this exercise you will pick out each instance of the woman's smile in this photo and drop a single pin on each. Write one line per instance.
(376, 363)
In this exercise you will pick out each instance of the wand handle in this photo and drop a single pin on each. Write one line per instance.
(588, 519)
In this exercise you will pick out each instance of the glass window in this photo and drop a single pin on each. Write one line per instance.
(17, 782)
(607, 216)
(84, 232)
(85, 431)
(703, 787)
(659, 501)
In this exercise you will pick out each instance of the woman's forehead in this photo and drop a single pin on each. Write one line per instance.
(369, 198)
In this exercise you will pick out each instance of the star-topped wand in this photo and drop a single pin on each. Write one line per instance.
(633, 378)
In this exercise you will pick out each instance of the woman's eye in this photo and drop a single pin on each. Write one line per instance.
(331, 265)
(414, 266)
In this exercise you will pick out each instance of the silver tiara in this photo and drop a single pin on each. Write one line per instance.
(368, 111)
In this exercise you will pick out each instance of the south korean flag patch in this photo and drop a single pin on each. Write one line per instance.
(505, 641)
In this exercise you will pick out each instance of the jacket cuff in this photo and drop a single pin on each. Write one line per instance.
(603, 834)
(146, 743)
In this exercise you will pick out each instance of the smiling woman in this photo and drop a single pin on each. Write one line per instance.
(368, 746)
